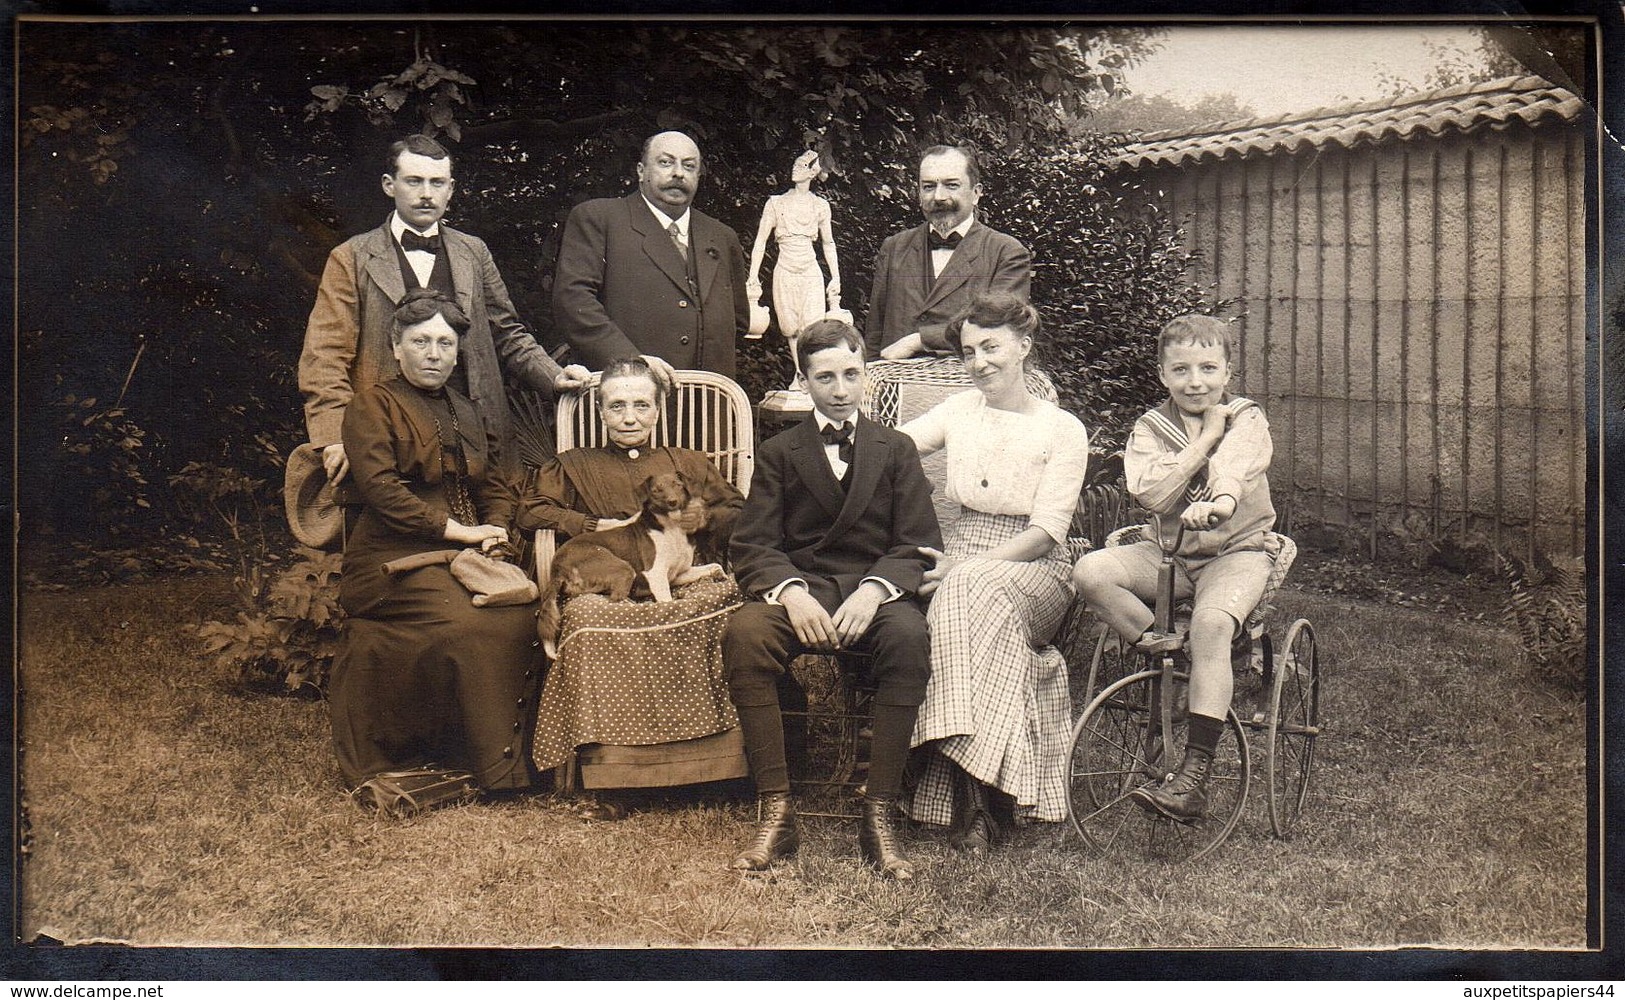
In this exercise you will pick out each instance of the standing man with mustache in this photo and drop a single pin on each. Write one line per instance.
(926, 275)
(647, 274)
(347, 339)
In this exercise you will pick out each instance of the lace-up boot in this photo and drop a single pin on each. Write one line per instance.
(778, 833)
(878, 840)
(1182, 797)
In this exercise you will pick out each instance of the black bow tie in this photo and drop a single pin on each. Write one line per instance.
(412, 241)
(841, 437)
(942, 242)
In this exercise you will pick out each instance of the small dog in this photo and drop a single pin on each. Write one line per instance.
(641, 560)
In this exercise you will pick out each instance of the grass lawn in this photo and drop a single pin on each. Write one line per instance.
(166, 805)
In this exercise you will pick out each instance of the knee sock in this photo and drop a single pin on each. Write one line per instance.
(763, 729)
(1204, 733)
(888, 749)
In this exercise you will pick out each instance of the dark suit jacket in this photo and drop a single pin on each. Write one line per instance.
(906, 299)
(347, 340)
(622, 289)
(796, 523)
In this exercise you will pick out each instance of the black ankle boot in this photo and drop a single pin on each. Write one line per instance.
(1182, 797)
(778, 833)
(977, 830)
(878, 842)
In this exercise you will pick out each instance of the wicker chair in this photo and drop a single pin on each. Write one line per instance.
(709, 413)
(886, 379)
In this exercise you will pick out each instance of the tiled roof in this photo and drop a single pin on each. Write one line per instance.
(1466, 108)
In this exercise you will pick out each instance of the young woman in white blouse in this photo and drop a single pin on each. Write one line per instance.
(996, 710)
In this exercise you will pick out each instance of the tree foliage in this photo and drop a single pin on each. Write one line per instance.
(1136, 113)
(185, 181)
(1557, 53)
(1450, 67)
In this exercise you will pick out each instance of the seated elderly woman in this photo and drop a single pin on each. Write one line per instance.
(426, 685)
(633, 674)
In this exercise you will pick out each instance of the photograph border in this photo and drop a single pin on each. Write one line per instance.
(1606, 529)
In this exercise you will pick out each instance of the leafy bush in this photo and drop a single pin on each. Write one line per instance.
(233, 498)
(286, 634)
(1546, 606)
(289, 644)
(100, 481)
(1108, 272)
(764, 365)
(161, 553)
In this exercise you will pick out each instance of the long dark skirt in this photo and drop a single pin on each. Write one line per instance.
(422, 677)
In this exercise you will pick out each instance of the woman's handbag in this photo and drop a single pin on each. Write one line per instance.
(492, 582)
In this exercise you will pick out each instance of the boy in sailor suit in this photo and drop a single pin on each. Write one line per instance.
(1202, 455)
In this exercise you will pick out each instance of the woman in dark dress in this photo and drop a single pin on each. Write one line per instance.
(423, 679)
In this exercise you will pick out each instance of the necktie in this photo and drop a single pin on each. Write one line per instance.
(841, 437)
(676, 235)
(412, 241)
(942, 242)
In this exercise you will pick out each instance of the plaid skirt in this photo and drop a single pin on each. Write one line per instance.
(997, 704)
(637, 673)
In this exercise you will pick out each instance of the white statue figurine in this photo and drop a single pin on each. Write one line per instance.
(797, 217)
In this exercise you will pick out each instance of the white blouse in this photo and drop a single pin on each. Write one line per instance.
(1004, 462)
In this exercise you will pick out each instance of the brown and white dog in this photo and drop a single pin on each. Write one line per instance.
(638, 561)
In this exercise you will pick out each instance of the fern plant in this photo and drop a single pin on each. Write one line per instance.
(1546, 606)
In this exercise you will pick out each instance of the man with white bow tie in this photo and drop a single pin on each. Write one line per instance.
(347, 339)
(926, 275)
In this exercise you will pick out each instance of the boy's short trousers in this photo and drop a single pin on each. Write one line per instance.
(1232, 582)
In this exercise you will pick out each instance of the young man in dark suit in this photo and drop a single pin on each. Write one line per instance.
(647, 274)
(829, 546)
(927, 275)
